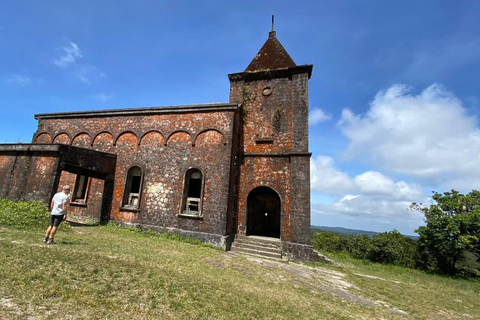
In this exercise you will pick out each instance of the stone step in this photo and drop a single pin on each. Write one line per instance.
(257, 253)
(261, 240)
(262, 247)
(256, 246)
(276, 246)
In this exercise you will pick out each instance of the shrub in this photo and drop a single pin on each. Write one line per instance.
(392, 248)
(327, 241)
(357, 246)
(25, 215)
(388, 247)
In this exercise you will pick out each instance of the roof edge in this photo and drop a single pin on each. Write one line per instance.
(211, 107)
(54, 148)
(270, 74)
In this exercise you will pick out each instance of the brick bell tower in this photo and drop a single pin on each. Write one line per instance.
(274, 180)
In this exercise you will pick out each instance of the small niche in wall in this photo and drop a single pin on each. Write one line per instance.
(264, 140)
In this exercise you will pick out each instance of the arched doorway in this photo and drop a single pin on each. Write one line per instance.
(263, 213)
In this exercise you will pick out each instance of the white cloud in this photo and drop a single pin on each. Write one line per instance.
(370, 197)
(70, 60)
(317, 116)
(368, 213)
(372, 182)
(102, 96)
(324, 177)
(428, 136)
(71, 54)
(18, 80)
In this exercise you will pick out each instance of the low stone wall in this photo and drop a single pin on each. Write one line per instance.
(302, 252)
(217, 240)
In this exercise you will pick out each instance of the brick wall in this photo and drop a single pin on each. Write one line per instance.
(164, 145)
(274, 148)
(27, 177)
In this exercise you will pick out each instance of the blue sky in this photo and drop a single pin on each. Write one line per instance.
(394, 94)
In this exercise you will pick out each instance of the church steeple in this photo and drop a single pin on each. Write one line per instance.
(272, 56)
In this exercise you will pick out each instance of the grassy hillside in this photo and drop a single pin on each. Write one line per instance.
(345, 231)
(351, 232)
(102, 272)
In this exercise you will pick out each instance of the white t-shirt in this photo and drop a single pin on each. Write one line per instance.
(58, 200)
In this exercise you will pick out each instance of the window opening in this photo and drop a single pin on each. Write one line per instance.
(133, 187)
(80, 190)
(192, 202)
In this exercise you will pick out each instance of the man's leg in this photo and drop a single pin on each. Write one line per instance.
(47, 234)
(52, 232)
(49, 229)
(56, 222)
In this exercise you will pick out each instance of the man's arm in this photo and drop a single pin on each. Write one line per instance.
(64, 209)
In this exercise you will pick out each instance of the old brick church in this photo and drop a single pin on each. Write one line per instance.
(211, 171)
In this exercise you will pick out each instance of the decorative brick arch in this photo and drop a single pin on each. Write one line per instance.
(82, 139)
(103, 132)
(148, 137)
(125, 133)
(184, 134)
(43, 137)
(62, 137)
(103, 141)
(210, 135)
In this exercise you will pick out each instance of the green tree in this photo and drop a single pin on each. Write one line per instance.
(452, 227)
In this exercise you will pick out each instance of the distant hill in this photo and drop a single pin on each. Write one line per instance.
(350, 232)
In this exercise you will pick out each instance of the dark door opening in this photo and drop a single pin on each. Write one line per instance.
(263, 213)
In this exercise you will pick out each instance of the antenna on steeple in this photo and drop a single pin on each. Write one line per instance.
(272, 33)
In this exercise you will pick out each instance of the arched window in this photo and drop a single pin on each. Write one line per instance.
(133, 188)
(192, 193)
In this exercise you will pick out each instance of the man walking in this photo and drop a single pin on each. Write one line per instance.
(58, 214)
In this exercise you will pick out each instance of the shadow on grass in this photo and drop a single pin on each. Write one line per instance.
(81, 224)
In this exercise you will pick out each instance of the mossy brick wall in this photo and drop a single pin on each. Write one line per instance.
(27, 176)
(275, 146)
(165, 146)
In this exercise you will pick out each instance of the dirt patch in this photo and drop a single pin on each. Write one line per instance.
(317, 279)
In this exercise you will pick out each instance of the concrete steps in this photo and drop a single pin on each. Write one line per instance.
(261, 247)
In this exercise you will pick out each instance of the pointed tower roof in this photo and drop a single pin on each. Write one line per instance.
(272, 56)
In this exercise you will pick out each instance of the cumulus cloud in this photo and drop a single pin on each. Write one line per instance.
(324, 177)
(18, 80)
(429, 136)
(316, 116)
(70, 54)
(370, 197)
(327, 179)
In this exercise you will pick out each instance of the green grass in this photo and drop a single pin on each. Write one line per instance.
(106, 272)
